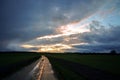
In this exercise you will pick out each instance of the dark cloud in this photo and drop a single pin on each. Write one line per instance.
(101, 38)
(74, 10)
(23, 20)
(17, 22)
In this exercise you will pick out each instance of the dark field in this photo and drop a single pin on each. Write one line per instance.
(66, 66)
(86, 67)
(11, 62)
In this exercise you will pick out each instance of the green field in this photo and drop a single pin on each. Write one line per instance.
(63, 64)
(11, 58)
(11, 62)
(64, 73)
(108, 63)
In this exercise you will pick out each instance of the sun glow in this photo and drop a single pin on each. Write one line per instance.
(54, 48)
(73, 28)
(64, 32)
(27, 46)
(49, 48)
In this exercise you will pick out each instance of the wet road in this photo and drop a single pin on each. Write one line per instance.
(47, 73)
(39, 70)
(23, 74)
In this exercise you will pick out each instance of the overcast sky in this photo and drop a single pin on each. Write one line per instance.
(60, 25)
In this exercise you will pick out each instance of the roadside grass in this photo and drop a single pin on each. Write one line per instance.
(109, 63)
(63, 72)
(12, 62)
(11, 58)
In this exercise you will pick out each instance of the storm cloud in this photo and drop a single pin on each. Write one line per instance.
(101, 38)
(22, 21)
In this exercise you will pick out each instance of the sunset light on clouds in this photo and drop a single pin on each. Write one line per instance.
(65, 32)
(60, 25)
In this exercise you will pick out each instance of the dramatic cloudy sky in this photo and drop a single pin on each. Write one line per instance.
(60, 25)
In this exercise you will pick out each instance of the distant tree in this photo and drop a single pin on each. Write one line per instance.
(113, 52)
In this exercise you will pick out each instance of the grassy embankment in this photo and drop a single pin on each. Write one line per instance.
(11, 62)
(109, 63)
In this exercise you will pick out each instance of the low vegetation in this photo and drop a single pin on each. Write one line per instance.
(107, 63)
(63, 72)
(11, 62)
(66, 66)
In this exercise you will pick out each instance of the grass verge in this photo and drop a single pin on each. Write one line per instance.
(11, 62)
(109, 63)
(63, 72)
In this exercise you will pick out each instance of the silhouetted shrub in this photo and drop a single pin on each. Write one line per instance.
(113, 52)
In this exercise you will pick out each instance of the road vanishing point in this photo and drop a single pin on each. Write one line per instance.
(39, 70)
